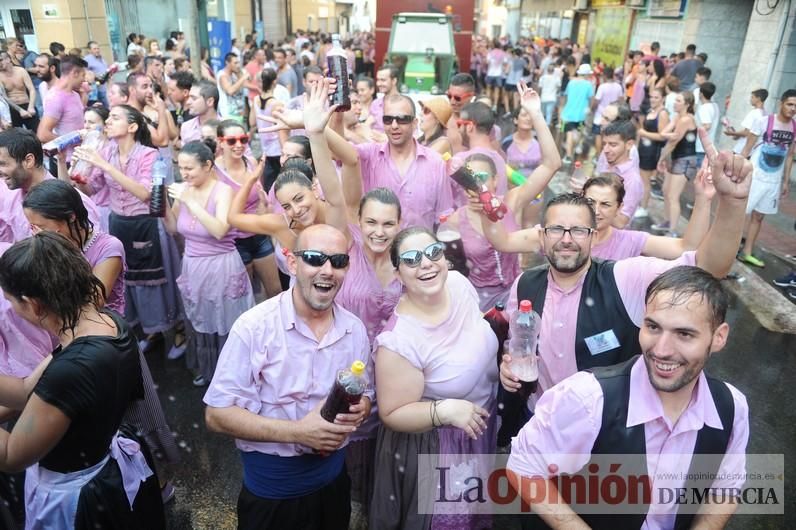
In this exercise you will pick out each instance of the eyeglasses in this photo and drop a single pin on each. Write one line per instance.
(316, 258)
(232, 140)
(412, 258)
(576, 232)
(461, 122)
(402, 119)
(459, 99)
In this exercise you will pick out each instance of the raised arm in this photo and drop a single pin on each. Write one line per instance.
(517, 198)
(525, 240)
(269, 224)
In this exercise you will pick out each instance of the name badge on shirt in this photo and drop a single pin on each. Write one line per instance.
(602, 342)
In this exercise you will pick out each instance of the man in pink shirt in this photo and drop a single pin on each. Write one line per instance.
(203, 105)
(274, 375)
(387, 82)
(592, 310)
(619, 137)
(415, 173)
(22, 168)
(64, 110)
(660, 406)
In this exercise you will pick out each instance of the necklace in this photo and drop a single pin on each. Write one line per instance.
(91, 241)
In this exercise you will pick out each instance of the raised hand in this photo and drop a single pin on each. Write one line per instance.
(730, 173)
(283, 120)
(529, 99)
(316, 107)
(703, 184)
(88, 154)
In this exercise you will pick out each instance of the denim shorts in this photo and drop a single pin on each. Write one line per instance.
(494, 80)
(254, 247)
(685, 166)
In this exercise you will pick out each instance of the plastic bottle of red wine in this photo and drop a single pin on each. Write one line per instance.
(338, 68)
(157, 198)
(524, 331)
(346, 391)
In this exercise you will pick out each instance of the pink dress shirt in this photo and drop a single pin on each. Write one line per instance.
(621, 244)
(138, 167)
(191, 130)
(273, 365)
(628, 171)
(377, 111)
(568, 419)
(559, 318)
(424, 190)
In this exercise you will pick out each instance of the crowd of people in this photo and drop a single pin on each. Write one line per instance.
(191, 200)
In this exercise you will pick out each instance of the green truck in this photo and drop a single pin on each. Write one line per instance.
(421, 46)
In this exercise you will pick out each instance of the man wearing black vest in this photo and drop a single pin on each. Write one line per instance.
(592, 309)
(659, 407)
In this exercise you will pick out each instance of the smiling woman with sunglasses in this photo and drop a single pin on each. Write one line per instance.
(436, 380)
(234, 168)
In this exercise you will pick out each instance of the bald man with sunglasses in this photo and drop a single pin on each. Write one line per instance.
(274, 375)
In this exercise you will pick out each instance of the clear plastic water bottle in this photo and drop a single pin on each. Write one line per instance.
(62, 142)
(578, 178)
(157, 198)
(338, 69)
(81, 169)
(524, 335)
(346, 391)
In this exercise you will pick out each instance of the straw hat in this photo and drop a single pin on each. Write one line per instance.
(440, 107)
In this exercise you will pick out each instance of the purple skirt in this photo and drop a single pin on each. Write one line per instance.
(394, 503)
(215, 291)
(156, 307)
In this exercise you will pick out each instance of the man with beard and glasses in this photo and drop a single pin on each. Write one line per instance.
(662, 404)
(273, 376)
(592, 309)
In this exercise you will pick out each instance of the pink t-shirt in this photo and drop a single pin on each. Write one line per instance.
(457, 356)
(559, 318)
(67, 109)
(424, 190)
(607, 93)
(104, 247)
(621, 244)
(568, 418)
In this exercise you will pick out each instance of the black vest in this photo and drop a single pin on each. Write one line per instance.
(615, 438)
(601, 309)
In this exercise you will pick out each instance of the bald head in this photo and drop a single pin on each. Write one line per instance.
(322, 237)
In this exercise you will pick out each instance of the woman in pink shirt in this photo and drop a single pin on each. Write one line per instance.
(606, 192)
(435, 375)
(234, 169)
(124, 166)
(214, 284)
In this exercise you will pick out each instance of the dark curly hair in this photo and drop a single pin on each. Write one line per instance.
(48, 268)
(59, 201)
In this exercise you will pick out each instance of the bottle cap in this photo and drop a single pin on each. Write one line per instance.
(357, 368)
(446, 156)
(500, 306)
(443, 218)
(525, 306)
(578, 164)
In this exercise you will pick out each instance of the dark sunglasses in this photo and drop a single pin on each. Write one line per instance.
(459, 99)
(412, 258)
(232, 140)
(316, 258)
(402, 119)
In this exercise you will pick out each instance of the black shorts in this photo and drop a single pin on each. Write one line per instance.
(254, 247)
(572, 126)
(510, 88)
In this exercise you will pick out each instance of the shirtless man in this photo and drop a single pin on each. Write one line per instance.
(20, 91)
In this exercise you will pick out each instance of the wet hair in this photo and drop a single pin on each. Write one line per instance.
(183, 80)
(572, 199)
(790, 93)
(267, 79)
(60, 201)
(292, 176)
(688, 98)
(608, 73)
(301, 165)
(481, 115)
(48, 268)
(202, 150)
(304, 142)
(480, 157)
(673, 84)
(624, 128)
(312, 70)
(367, 80)
(761, 94)
(462, 79)
(56, 48)
(396, 98)
(394, 71)
(382, 195)
(703, 57)
(707, 89)
(20, 143)
(685, 281)
(228, 57)
(142, 135)
(130, 38)
(133, 77)
(208, 90)
(402, 236)
(228, 124)
(70, 62)
(149, 59)
(608, 180)
(123, 89)
(133, 61)
(691, 48)
(623, 112)
(659, 68)
(704, 71)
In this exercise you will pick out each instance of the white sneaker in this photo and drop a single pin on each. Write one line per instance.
(641, 212)
(176, 352)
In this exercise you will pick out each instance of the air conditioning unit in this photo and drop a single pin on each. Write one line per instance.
(636, 3)
(580, 5)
